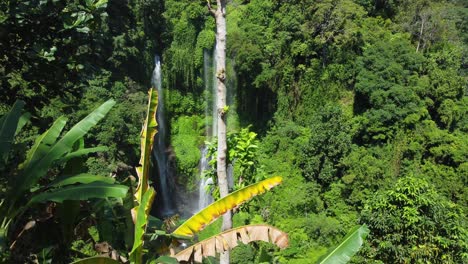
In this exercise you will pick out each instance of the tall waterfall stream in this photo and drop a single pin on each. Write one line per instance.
(164, 182)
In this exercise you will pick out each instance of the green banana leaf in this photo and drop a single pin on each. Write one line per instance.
(198, 221)
(141, 221)
(8, 125)
(84, 151)
(34, 171)
(24, 119)
(96, 260)
(146, 141)
(81, 178)
(82, 192)
(348, 247)
(44, 142)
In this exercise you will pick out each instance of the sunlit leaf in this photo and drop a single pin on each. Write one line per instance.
(146, 141)
(348, 247)
(218, 208)
(100, 4)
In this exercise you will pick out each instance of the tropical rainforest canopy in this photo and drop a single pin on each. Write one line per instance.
(360, 105)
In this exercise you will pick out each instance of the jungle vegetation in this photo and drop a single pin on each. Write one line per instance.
(361, 106)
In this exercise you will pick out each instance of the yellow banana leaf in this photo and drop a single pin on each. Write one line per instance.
(146, 138)
(218, 208)
(144, 195)
(230, 239)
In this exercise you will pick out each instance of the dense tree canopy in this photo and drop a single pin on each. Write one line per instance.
(361, 106)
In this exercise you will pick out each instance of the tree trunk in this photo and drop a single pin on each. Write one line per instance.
(421, 30)
(220, 17)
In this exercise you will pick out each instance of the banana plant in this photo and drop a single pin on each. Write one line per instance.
(49, 150)
(144, 194)
(197, 222)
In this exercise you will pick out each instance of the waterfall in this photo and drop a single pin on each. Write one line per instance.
(204, 198)
(209, 79)
(164, 185)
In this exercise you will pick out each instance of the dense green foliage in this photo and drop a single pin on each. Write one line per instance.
(361, 106)
(67, 58)
(70, 56)
(22, 190)
(349, 97)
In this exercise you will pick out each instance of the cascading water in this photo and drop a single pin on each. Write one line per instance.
(207, 73)
(164, 206)
(210, 80)
(204, 198)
